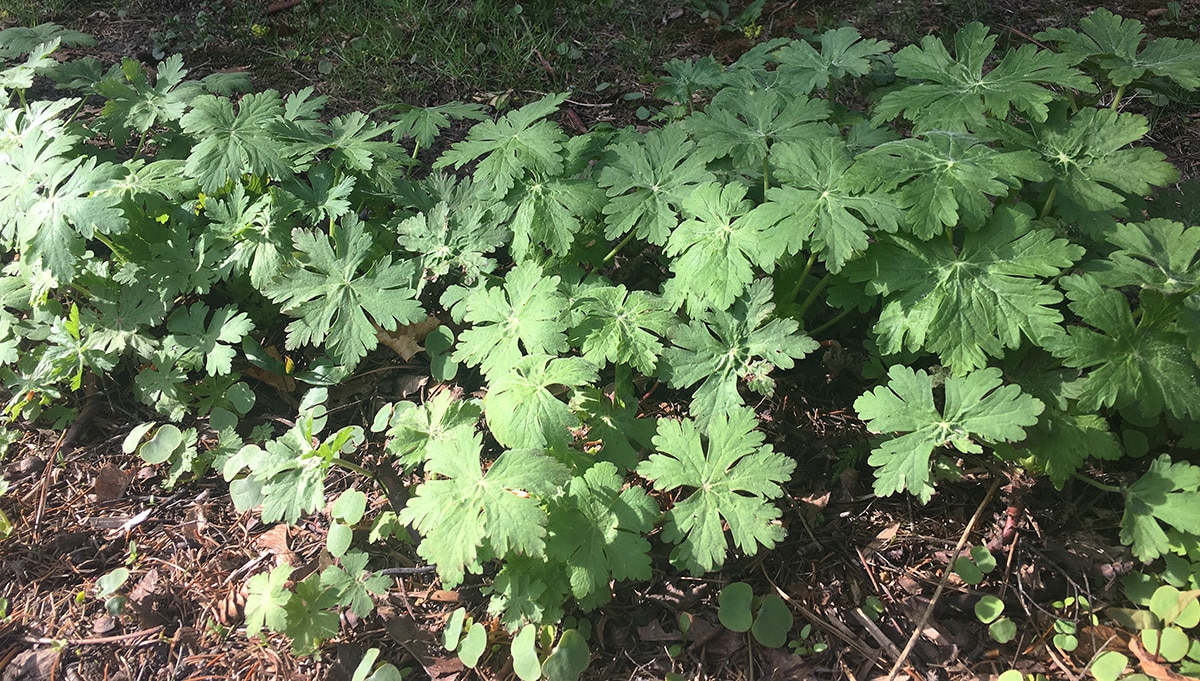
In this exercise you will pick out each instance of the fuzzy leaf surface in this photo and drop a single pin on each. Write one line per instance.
(732, 480)
(956, 94)
(716, 248)
(622, 327)
(722, 347)
(1144, 362)
(1113, 42)
(524, 316)
(821, 206)
(972, 304)
(945, 179)
(745, 125)
(1169, 493)
(231, 143)
(597, 530)
(646, 181)
(843, 52)
(520, 408)
(337, 305)
(520, 141)
(468, 516)
(978, 409)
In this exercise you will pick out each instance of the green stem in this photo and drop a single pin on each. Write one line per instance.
(1049, 203)
(350, 466)
(812, 295)
(141, 143)
(617, 249)
(812, 259)
(622, 384)
(1117, 97)
(829, 324)
(766, 177)
(1098, 485)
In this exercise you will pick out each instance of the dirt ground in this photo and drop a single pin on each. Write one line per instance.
(859, 572)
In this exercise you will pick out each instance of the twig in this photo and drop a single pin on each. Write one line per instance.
(65, 442)
(94, 641)
(937, 593)
(419, 570)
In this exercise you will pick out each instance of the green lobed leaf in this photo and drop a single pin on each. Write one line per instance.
(266, 600)
(331, 297)
(843, 52)
(522, 411)
(969, 304)
(1113, 42)
(954, 93)
(232, 143)
(524, 316)
(732, 480)
(978, 410)
(467, 516)
(646, 180)
(1167, 494)
(622, 327)
(722, 348)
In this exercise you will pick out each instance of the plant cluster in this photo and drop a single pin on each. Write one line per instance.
(987, 218)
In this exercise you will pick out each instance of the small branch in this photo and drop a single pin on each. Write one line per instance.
(419, 570)
(962, 540)
(617, 249)
(1097, 484)
(94, 641)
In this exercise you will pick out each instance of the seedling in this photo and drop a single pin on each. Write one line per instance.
(990, 611)
(768, 618)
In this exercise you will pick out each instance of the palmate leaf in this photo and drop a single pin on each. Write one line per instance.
(732, 482)
(622, 327)
(204, 343)
(521, 410)
(978, 410)
(520, 141)
(1144, 363)
(38, 61)
(722, 347)
(411, 428)
(647, 180)
(742, 125)
(256, 230)
(596, 532)
(844, 52)
(549, 213)
(1157, 254)
(134, 105)
(20, 40)
(336, 304)
(1169, 493)
(1114, 41)
(1092, 162)
(467, 516)
(266, 599)
(716, 248)
(957, 95)
(821, 207)
(972, 304)
(524, 316)
(446, 240)
(321, 196)
(231, 143)
(425, 124)
(945, 179)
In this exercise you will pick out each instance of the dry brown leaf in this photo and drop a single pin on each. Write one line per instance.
(111, 483)
(1152, 666)
(406, 340)
(881, 540)
(421, 645)
(275, 541)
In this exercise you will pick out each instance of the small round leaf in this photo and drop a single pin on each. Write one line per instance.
(983, 559)
(524, 654)
(734, 603)
(111, 581)
(453, 630)
(964, 567)
(570, 658)
(1109, 666)
(1002, 630)
(350, 506)
(774, 622)
(338, 539)
(162, 445)
(134, 438)
(989, 608)
(1171, 643)
(473, 645)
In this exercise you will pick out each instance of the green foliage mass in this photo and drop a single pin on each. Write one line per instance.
(980, 230)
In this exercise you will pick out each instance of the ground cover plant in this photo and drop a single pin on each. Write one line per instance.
(590, 323)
